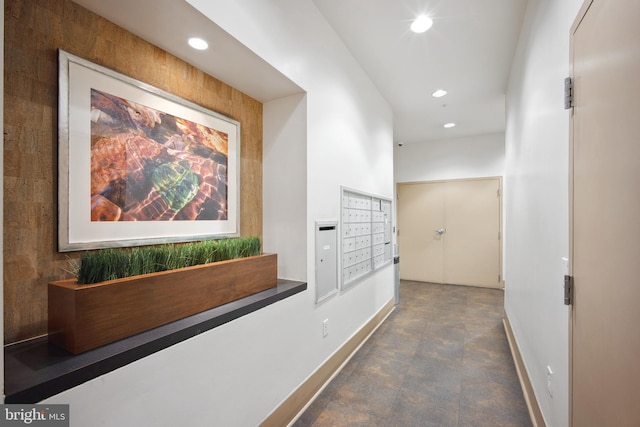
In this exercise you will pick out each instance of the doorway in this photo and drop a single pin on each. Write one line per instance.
(449, 231)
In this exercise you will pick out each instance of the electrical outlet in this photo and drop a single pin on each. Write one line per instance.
(325, 327)
(549, 381)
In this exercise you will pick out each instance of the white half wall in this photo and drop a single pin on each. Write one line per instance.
(237, 374)
(470, 157)
(536, 201)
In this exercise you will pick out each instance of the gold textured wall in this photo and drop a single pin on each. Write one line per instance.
(34, 31)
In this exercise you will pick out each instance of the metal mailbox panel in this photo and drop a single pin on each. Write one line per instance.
(327, 259)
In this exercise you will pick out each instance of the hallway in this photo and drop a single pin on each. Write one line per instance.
(440, 359)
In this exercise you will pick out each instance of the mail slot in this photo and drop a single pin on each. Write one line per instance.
(326, 260)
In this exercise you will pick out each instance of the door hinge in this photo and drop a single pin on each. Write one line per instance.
(568, 290)
(568, 93)
(499, 235)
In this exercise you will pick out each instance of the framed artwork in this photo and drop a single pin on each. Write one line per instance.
(139, 166)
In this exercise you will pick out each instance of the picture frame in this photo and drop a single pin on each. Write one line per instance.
(138, 165)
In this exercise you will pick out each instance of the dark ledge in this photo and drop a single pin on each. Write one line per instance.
(35, 369)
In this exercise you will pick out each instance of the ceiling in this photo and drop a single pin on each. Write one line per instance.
(468, 52)
(173, 22)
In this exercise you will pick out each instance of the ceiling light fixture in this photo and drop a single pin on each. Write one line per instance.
(449, 125)
(439, 93)
(198, 43)
(421, 24)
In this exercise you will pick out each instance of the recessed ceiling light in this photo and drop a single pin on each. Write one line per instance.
(198, 43)
(449, 125)
(439, 93)
(421, 24)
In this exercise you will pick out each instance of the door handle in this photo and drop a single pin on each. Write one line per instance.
(441, 230)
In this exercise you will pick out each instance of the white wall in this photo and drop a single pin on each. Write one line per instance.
(536, 201)
(470, 157)
(285, 185)
(235, 375)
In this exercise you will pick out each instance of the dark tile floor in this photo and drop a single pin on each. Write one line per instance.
(440, 359)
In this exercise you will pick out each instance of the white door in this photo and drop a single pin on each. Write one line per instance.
(420, 214)
(472, 238)
(449, 232)
(605, 356)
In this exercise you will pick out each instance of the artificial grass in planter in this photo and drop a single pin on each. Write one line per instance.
(137, 292)
(111, 264)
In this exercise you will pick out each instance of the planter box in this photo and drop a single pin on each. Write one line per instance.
(83, 317)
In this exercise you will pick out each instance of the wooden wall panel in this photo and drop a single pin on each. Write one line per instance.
(34, 30)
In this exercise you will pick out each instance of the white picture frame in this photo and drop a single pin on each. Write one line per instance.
(81, 184)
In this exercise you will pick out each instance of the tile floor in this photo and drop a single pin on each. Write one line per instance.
(440, 359)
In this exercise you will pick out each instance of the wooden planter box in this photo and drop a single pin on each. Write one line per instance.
(83, 317)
